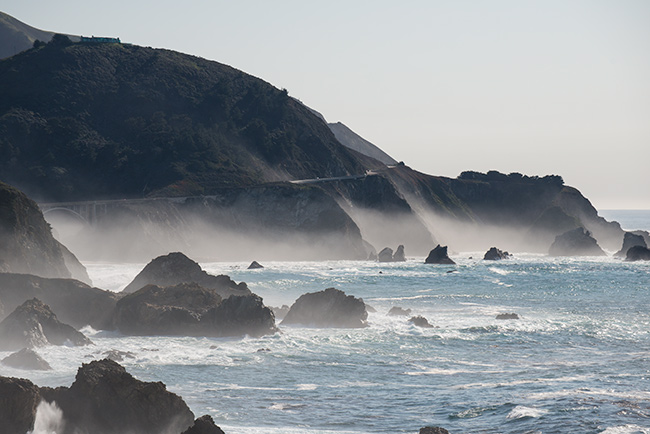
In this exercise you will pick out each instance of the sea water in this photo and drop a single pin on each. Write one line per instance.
(576, 361)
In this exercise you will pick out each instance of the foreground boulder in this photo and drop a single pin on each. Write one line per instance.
(328, 308)
(439, 256)
(33, 324)
(18, 401)
(630, 240)
(74, 302)
(638, 253)
(187, 309)
(176, 268)
(26, 359)
(495, 254)
(576, 242)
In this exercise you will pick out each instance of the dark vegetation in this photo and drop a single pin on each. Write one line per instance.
(84, 121)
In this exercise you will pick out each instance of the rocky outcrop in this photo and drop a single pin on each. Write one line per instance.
(399, 255)
(106, 399)
(26, 241)
(398, 311)
(26, 359)
(503, 316)
(255, 265)
(495, 254)
(385, 255)
(433, 430)
(176, 268)
(630, 240)
(439, 256)
(420, 321)
(33, 324)
(204, 425)
(638, 253)
(18, 401)
(577, 242)
(328, 308)
(187, 309)
(74, 302)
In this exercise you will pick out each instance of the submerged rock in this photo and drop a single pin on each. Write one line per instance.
(176, 268)
(420, 321)
(398, 311)
(576, 242)
(638, 253)
(328, 308)
(33, 324)
(507, 316)
(26, 359)
(255, 265)
(630, 240)
(495, 254)
(439, 256)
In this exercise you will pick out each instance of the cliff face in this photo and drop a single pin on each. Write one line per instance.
(26, 242)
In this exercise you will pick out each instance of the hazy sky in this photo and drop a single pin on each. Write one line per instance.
(537, 87)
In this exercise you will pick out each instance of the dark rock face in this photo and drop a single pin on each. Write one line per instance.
(638, 253)
(176, 268)
(398, 311)
(439, 256)
(188, 309)
(328, 308)
(26, 359)
(433, 430)
(106, 399)
(576, 242)
(630, 240)
(495, 254)
(33, 324)
(204, 425)
(255, 265)
(18, 401)
(386, 255)
(420, 321)
(74, 302)
(507, 316)
(399, 255)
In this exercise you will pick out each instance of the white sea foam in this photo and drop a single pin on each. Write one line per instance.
(626, 429)
(48, 419)
(521, 411)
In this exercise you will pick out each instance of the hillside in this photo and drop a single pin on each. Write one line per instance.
(82, 121)
(16, 36)
(354, 141)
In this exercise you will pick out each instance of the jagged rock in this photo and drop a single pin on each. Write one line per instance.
(117, 355)
(328, 308)
(26, 359)
(420, 321)
(18, 401)
(188, 309)
(106, 399)
(74, 302)
(176, 268)
(254, 265)
(433, 430)
(507, 316)
(280, 312)
(398, 311)
(576, 242)
(638, 253)
(495, 254)
(33, 324)
(399, 255)
(630, 240)
(438, 256)
(386, 255)
(204, 425)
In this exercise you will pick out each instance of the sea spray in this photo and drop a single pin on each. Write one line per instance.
(49, 419)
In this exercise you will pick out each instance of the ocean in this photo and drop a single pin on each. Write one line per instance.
(576, 361)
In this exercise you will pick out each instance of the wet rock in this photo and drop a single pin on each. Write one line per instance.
(630, 240)
(439, 256)
(118, 356)
(26, 359)
(18, 401)
(420, 321)
(176, 268)
(576, 242)
(386, 255)
(187, 309)
(398, 311)
(74, 302)
(33, 324)
(507, 316)
(328, 308)
(255, 265)
(399, 255)
(433, 430)
(638, 253)
(495, 254)
(204, 425)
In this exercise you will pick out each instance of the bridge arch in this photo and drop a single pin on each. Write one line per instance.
(70, 211)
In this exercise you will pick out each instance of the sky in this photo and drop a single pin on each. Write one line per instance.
(536, 87)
